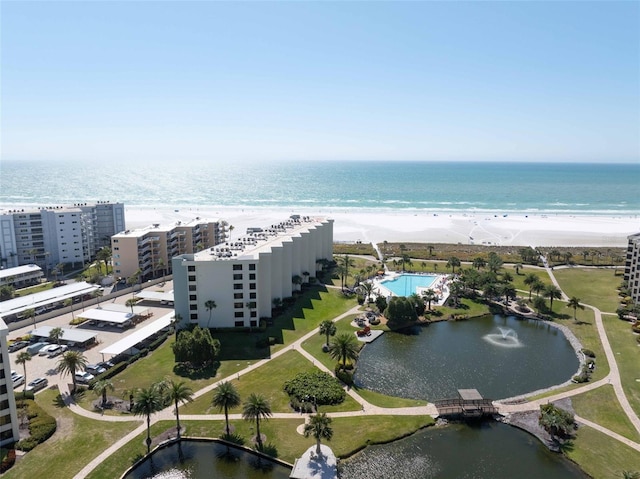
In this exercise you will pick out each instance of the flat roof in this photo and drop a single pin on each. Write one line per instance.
(122, 308)
(100, 314)
(45, 298)
(163, 228)
(469, 395)
(75, 335)
(138, 336)
(155, 295)
(27, 268)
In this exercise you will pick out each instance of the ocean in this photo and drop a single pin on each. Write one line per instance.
(540, 188)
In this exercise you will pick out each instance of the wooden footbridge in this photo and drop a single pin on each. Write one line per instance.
(469, 405)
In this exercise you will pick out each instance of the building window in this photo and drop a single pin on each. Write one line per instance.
(237, 296)
(252, 267)
(239, 314)
(252, 285)
(237, 286)
(238, 305)
(5, 419)
(3, 389)
(237, 277)
(193, 316)
(237, 267)
(254, 314)
(252, 276)
(239, 324)
(192, 287)
(193, 297)
(191, 269)
(193, 307)
(6, 435)
(253, 323)
(192, 277)
(253, 295)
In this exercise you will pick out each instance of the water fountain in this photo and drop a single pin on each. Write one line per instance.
(506, 338)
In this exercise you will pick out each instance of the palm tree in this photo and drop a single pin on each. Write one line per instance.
(69, 302)
(406, 260)
(147, 402)
(225, 397)
(131, 302)
(210, 305)
(506, 277)
(552, 293)
(518, 267)
(575, 304)
(176, 322)
(479, 263)
(452, 263)
(22, 358)
(256, 407)
(530, 280)
(538, 286)
(345, 262)
(365, 289)
(328, 328)
(104, 254)
(319, 426)
(343, 348)
(70, 363)
(55, 334)
(31, 313)
(178, 393)
(101, 387)
(429, 296)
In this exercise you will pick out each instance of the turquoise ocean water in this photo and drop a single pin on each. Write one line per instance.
(565, 188)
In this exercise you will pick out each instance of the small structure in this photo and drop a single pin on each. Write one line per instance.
(71, 337)
(102, 316)
(163, 298)
(469, 404)
(313, 466)
(128, 345)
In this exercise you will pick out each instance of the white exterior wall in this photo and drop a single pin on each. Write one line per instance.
(265, 290)
(287, 268)
(632, 267)
(8, 246)
(9, 432)
(277, 263)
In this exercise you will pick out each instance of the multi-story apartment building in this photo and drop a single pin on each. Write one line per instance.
(9, 432)
(150, 249)
(632, 267)
(243, 277)
(58, 234)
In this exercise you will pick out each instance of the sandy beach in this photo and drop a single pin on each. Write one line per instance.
(424, 227)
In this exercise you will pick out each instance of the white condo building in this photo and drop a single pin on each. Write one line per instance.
(632, 267)
(243, 277)
(9, 432)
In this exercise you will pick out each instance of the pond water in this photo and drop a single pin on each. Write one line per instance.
(500, 356)
(486, 450)
(207, 459)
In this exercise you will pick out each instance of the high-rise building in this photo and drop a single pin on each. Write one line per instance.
(632, 267)
(9, 432)
(57, 234)
(149, 250)
(243, 277)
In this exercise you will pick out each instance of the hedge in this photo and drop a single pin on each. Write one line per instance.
(317, 384)
(41, 426)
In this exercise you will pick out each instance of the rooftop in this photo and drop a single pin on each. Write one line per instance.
(158, 228)
(27, 268)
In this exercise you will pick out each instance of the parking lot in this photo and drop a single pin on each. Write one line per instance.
(44, 366)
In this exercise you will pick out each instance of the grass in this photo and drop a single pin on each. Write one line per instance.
(627, 351)
(349, 435)
(360, 264)
(382, 400)
(269, 380)
(313, 345)
(468, 308)
(596, 287)
(601, 456)
(33, 289)
(518, 279)
(77, 441)
(602, 407)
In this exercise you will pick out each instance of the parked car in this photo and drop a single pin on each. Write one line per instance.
(37, 384)
(35, 348)
(53, 352)
(84, 377)
(17, 345)
(94, 369)
(47, 349)
(106, 364)
(18, 379)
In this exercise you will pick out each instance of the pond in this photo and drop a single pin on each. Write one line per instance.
(485, 450)
(500, 356)
(207, 459)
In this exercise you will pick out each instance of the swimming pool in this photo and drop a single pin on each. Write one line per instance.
(406, 284)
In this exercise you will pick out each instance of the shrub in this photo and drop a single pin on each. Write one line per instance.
(317, 384)
(636, 328)
(41, 426)
(8, 461)
(589, 353)
(345, 376)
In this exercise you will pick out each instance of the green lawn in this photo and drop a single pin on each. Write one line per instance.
(518, 279)
(627, 351)
(602, 457)
(76, 442)
(269, 380)
(382, 400)
(313, 345)
(596, 287)
(602, 407)
(468, 308)
(360, 265)
(34, 289)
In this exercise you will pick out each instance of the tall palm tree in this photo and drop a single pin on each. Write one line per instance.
(328, 328)
(478, 263)
(226, 397)
(178, 393)
(101, 387)
(148, 401)
(256, 407)
(575, 304)
(529, 280)
(70, 363)
(366, 289)
(210, 305)
(552, 293)
(343, 348)
(538, 287)
(319, 426)
(69, 302)
(97, 294)
(176, 322)
(22, 358)
(452, 263)
(346, 263)
(429, 296)
(55, 334)
(131, 302)
(31, 313)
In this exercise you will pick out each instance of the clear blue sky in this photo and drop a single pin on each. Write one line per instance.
(549, 81)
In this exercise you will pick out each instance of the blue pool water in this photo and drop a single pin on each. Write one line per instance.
(406, 284)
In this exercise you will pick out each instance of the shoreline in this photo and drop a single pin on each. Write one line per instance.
(377, 226)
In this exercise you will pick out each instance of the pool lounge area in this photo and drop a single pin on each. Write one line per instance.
(405, 284)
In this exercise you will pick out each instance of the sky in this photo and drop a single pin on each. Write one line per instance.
(234, 81)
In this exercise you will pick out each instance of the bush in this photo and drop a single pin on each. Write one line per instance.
(345, 376)
(589, 353)
(8, 461)
(41, 426)
(317, 384)
(636, 328)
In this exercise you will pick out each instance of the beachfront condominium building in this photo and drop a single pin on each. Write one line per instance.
(52, 235)
(243, 277)
(148, 251)
(632, 267)
(9, 432)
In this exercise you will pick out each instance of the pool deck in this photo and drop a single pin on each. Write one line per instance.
(440, 285)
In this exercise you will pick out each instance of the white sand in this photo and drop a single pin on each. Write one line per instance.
(378, 226)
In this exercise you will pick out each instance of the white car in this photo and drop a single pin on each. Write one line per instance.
(47, 349)
(53, 352)
(17, 379)
(37, 384)
(84, 377)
